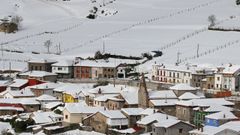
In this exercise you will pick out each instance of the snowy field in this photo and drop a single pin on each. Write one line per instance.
(139, 26)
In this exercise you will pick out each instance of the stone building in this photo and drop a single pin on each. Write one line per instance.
(171, 127)
(102, 121)
(143, 98)
(133, 115)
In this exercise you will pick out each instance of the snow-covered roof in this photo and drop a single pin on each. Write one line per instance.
(52, 105)
(231, 69)
(18, 93)
(37, 74)
(5, 126)
(188, 96)
(180, 68)
(156, 117)
(164, 102)
(223, 115)
(108, 89)
(11, 108)
(4, 82)
(105, 97)
(211, 130)
(41, 61)
(234, 125)
(23, 101)
(162, 94)
(218, 108)
(45, 117)
(69, 87)
(130, 95)
(125, 131)
(132, 111)
(45, 97)
(81, 132)
(47, 85)
(166, 123)
(113, 114)
(81, 108)
(148, 111)
(205, 102)
(63, 63)
(18, 82)
(182, 86)
(97, 63)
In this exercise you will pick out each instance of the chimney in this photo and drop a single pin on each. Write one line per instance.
(99, 91)
(201, 128)
(87, 100)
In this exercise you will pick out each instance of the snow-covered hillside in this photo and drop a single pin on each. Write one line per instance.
(128, 27)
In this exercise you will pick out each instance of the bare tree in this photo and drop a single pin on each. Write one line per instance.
(212, 19)
(48, 44)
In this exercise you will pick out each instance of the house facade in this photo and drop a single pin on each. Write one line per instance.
(171, 74)
(39, 75)
(171, 127)
(102, 121)
(94, 70)
(64, 69)
(228, 78)
(40, 65)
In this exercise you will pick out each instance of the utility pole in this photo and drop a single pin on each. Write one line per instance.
(114, 79)
(178, 57)
(197, 50)
(10, 68)
(59, 49)
(103, 47)
(2, 49)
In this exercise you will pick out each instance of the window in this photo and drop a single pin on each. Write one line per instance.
(218, 78)
(66, 116)
(180, 130)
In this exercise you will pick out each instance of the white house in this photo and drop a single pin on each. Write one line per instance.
(171, 74)
(63, 68)
(228, 78)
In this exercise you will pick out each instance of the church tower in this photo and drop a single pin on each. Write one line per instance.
(143, 94)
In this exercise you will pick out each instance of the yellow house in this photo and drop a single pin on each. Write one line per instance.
(69, 98)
